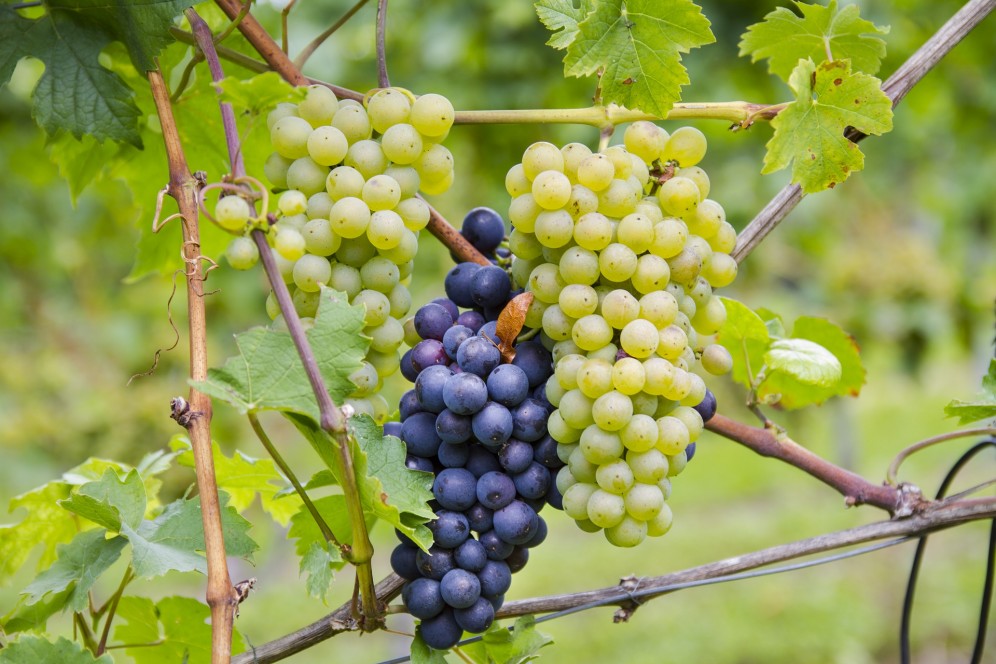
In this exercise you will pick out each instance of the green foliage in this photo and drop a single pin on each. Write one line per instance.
(260, 93)
(809, 132)
(513, 645)
(35, 649)
(111, 501)
(319, 563)
(982, 408)
(46, 525)
(561, 17)
(177, 626)
(821, 33)
(422, 653)
(80, 562)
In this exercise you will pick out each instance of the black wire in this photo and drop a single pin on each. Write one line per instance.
(980, 637)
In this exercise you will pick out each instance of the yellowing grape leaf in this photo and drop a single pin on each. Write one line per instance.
(562, 16)
(637, 44)
(809, 132)
(982, 408)
(785, 38)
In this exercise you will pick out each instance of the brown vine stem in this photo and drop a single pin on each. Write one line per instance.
(890, 475)
(382, 78)
(332, 419)
(452, 239)
(313, 45)
(263, 43)
(183, 189)
(896, 87)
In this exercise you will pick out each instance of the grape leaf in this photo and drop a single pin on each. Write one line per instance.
(269, 375)
(79, 564)
(110, 501)
(46, 524)
(421, 653)
(982, 408)
(638, 46)
(31, 649)
(745, 335)
(319, 563)
(562, 16)
(243, 477)
(515, 645)
(260, 93)
(34, 617)
(804, 360)
(178, 626)
(809, 132)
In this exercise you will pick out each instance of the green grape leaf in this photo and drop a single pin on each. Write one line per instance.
(806, 361)
(319, 563)
(34, 617)
(30, 649)
(982, 408)
(259, 93)
(178, 626)
(175, 539)
(152, 464)
(809, 132)
(243, 477)
(561, 18)
(46, 524)
(746, 336)
(268, 374)
(80, 161)
(388, 489)
(305, 531)
(637, 44)
(821, 33)
(79, 564)
(421, 653)
(110, 501)
(509, 646)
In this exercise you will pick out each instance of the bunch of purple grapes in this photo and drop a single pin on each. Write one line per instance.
(480, 427)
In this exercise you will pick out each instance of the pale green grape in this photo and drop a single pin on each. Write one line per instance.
(414, 212)
(554, 228)
(381, 192)
(661, 523)
(685, 267)
(686, 146)
(716, 360)
(659, 375)
(432, 115)
(676, 463)
(365, 379)
(388, 107)
(377, 306)
(574, 154)
(289, 137)
(343, 182)
(690, 418)
(617, 262)
(721, 270)
(319, 205)
(272, 306)
(627, 533)
(652, 274)
(608, 352)
(581, 467)
(579, 266)
(645, 140)
(699, 290)
(681, 385)
(319, 237)
(385, 229)
(380, 274)
(551, 190)
(619, 308)
(232, 213)
(350, 217)
(641, 172)
(640, 433)
(281, 111)
(353, 122)
(595, 378)
(306, 303)
(710, 317)
(318, 106)
(564, 348)
(284, 266)
(649, 467)
(434, 164)
(405, 250)
(575, 408)
(556, 324)
(564, 451)
(724, 240)
(534, 314)
(577, 300)
(275, 169)
(564, 480)
(540, 157)
(628, 376)
(355, 252)
(295, 221)
(367, 157)
(672, 435)
(516, 182)
(387, 336)
(522, 212)
(600, 446)
(411, 336)
(639, 338)
(636, 231)
(699, 177)
(546, 283)
(327, 146)
(605, 509)
(312, 272)
(576, 498)
(401, 301)
(402, 143)
(651, 209)
(621, 160)
(669, 237)
(559, 429)
(242, 253)
(660, 308)
(612, 410)
(708, 217)
(615, 477)
(289, 243)
(596, 172)
(644, 501)
(673, 341)
(618, 199)
(679, 196)
(307, 176)
(582, 201)
(591, 332)
(524, 245)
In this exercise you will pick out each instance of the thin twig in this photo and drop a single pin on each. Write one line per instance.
(890, 475)
(283, 25)
(233, 56)
(313, 45)
(382, 78)
(112, 609)
(233, 24)
(263, 43)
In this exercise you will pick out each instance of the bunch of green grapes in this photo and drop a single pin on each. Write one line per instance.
(349, 217)
(622, 250)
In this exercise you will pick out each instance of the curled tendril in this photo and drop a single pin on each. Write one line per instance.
(255, 191)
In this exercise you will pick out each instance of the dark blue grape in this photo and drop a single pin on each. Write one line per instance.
(535, 360)
(689, 452)
(458, 284)
(496, 547)
(495, 490)
(529, 421)
(470, 555)
(429, 387)
(455, 488)
(460, 588)
(516, 523)
(495, 578)
(449, 529)
(423, 599)
(493, 425)
(515, 455)
(490, 329)
(481, 461)
(403, 562)
(554, 498)
(409, 405)
(480, 518)
(465, 393)
(539, 537)
(413, 462)
(408, 369)
(518, 559)
(539, 395)
(447, 304)
(508, 385)
(453, 428)
(478, 355)
(436, 563)
(490, 287)
(441, 632)
(452, 455)
(428, 353)
(392, 429)
(533, 482)
(455, 336)
(497, 601)
(483, 228)
(545, 452)
(537, 504)
(477, 617)
(419, 434)
(471, 319)
(707, 407)
(432, 321)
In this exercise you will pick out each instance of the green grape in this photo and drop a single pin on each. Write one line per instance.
(686, 146)
(521, 269)
(406, 177)
(595, 378)
(306, 303)
(242, 253)
(574, 154)
(628, 376)
(405, 250)
(551, 190)
(681, 385)
(661, 523)
(640, 433)
(546, 283)
(672, 435)
(608, 352)
(605, 509)
(522, 212)
(345, 279)
(381, 192)
(534, 314)
(282, 110)
(716, 360)
(645, 140)
(344, 182)
(289, 137)
(556, 324)
(401, 301)
(618, 199)
(275, 169)
(376, 304)
(690, 418)
(564, 480)
(524, 245)
(296, 221)
(318, 106)
(388, 107)
(516, 182)
(591, 332)
(599, 446)
(564, 451)
(559, 429)
(615, 477)
(699, 177)
(660, 308)
(672, 341)
(641, 173)
(367, 157)
(434, 164)
(402, 144)
(685, 267)
(355, 252)
(540, 157)
(708, 217)
(639, 338)
(577, 300)
(387, 336)
(272, 306)
(612, 410)
(576, 498)
(575, 408)
(669, 237)
(627, 533)
(699, 290)
(596, 172)
(621, 161)
(350, 217)
(432, 115)
(586, 526)
(650, 209)
(380, 274)
(676, 463)
(319, 239)
(659, 375)
(353, 122)
(307, 176)
(644, 501)
(679, 196)
(582, 469)
(387, 364)
(582, 201)
(327, 146)
(312, 272)
(652, 274)
(617, 262)
(710, 317)
(724, 240)
(579, 266)
(319, 205)
(289, 243)
(365, 379)
(554, 228)
(232, 213)
(721, 270)
(644, 403)
(648, 467)
(564, 348)
(385, 229)
(636, 231)
(414, 212)
(284, 266)
(619, 308)
(411, 336)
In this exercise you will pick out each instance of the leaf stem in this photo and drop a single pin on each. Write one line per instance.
(738, 112)
(257, 427)
(313, 45)
(86, 634)
(382, 78)
(890, 475)
(113, 604)
(283, 25)
(234, 23)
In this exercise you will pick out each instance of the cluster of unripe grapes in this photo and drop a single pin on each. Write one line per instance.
(350, 217)
(622, 250)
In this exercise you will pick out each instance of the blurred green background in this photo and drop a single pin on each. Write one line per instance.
(903, 255)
